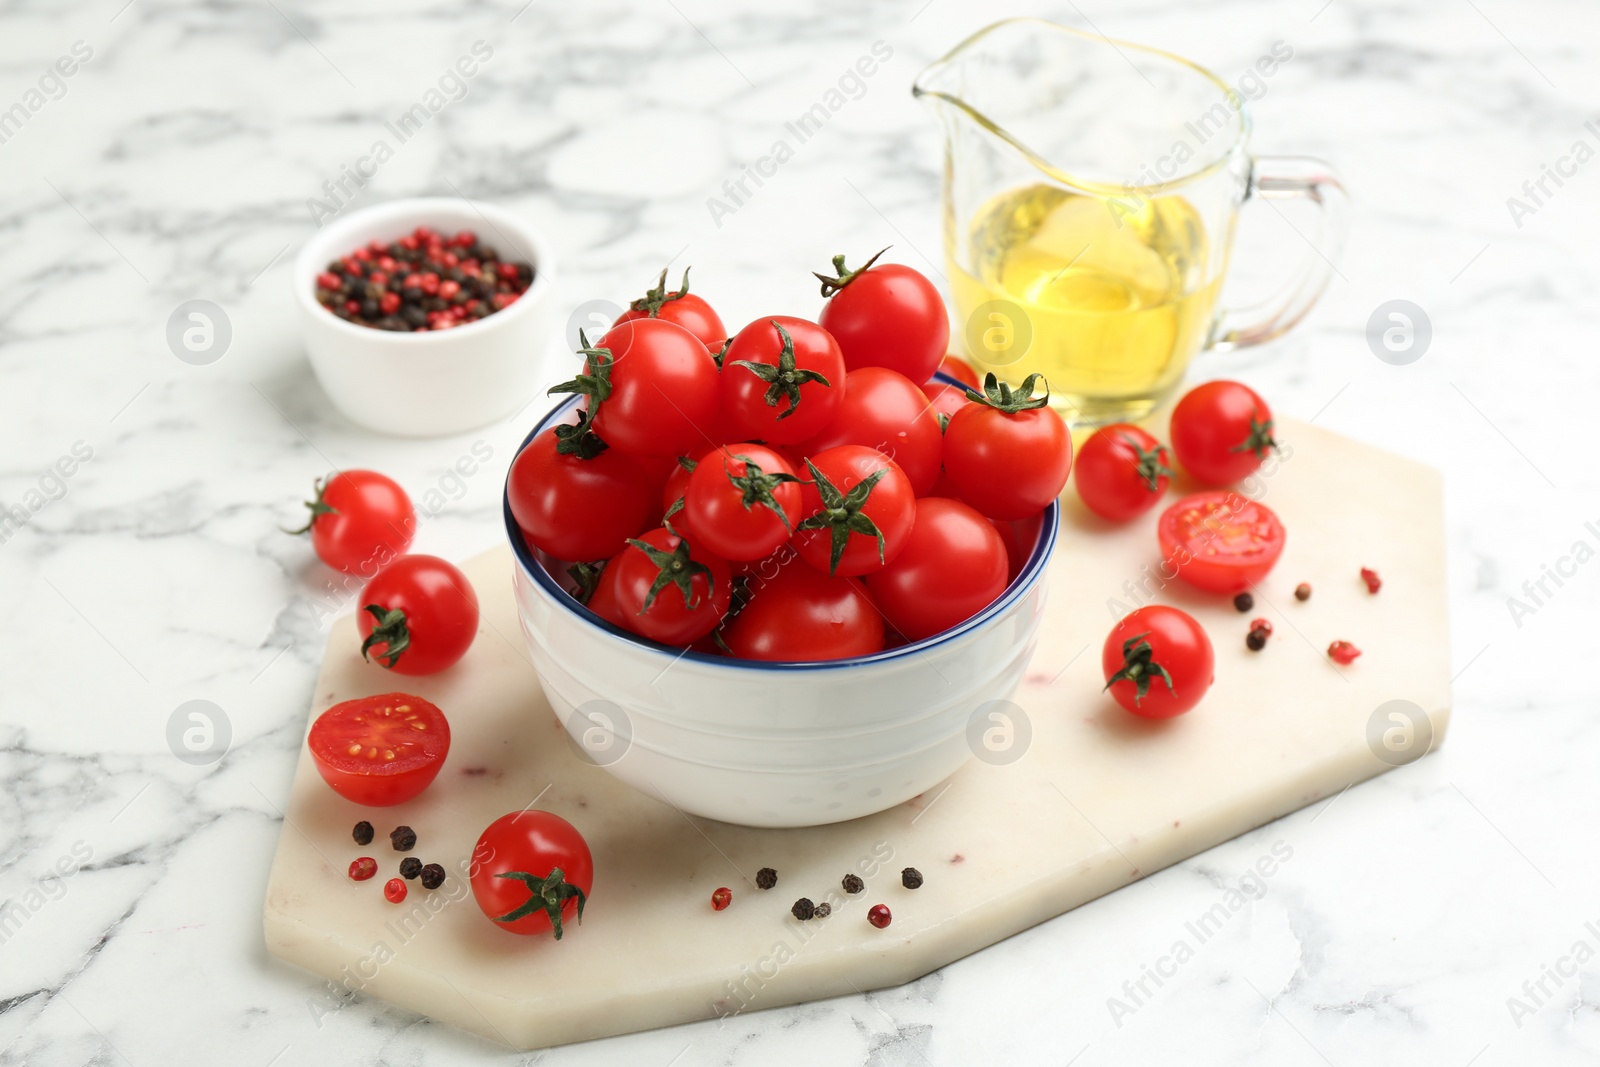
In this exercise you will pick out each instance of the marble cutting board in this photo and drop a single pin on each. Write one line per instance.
(1043, 825)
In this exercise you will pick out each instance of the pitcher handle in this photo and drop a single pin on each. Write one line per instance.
(1285, 178)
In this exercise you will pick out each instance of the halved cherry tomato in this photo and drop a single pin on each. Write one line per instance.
(682, 307)
(1010, 455)
(419, 615)
(782, 380)
(1220, 541)
(532, 872)
(1157, 662)
(1221, 431)
(360, 522)
(885, 410)
(741, 502)
(576, 507)
(887, 315)
(651, 386)
(795, 612)
(1121, 471)
(952, 567)
(380, 750)
(669, 591)
(858, 508)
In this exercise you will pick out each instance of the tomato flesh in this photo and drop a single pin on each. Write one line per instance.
(380, 750)
(1220, 541)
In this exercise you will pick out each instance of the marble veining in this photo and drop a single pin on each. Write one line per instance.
(1437, 915)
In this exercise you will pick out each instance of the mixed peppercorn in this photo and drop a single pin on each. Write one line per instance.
(402, 839)
(805, 909)
(423, 281)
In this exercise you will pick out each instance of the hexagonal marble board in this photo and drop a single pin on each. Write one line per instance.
(1002, 845)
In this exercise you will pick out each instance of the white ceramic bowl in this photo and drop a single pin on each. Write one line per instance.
(428, 384)
(775, 744)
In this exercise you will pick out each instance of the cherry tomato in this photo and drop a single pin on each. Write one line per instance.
(1221, 431)
(782, 380)
(961, 371)
(1220, 541)
(682, 307)
(578, 508)
(946, 399)
(797, 613)
(1020, 537)
(1157, 662)
(360, 521)
(419, 615)
(886, 316)
(669, 591)
(1009, 456)
(652, 388)
(1121, 472)
(380, 750)
(859, 508)
(885, 410)
(532, 872)
(952, 567)
(742, 502)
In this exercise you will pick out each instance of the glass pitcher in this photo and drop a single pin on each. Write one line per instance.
(1091, 190)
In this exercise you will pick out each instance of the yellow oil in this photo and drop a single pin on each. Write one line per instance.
(1107, 299)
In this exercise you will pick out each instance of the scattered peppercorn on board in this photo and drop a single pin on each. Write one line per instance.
(1095, 799)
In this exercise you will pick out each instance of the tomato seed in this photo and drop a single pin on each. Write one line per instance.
(721, 898)
(363, 868)
(1370, 576)
(362, 833)
(878, 915)
(911, 878)
(394, 890)
(1244, 602)
(403, 838)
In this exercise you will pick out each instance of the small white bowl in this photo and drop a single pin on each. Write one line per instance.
(429, 384)
(776, 744)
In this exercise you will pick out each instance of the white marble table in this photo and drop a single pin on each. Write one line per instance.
(1438, 915)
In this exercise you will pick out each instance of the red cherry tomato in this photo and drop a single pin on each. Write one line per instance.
(961, 371)
(575, 508)
(603, 601)
(782, 380)
(419, 615)
(1157, 662)
(1121, 472)
(532, 872)
(1005, 458)
(1221, 431)
(380, 750)
(885, 410)
(657, 391)
(797, 613)
(360, 521)
(836, 534)
(952, 567)
(669, 591)
(1220, 541)
(946, 399)
(742, 502)
(886, 316)
(682, 307)
(1020, 537)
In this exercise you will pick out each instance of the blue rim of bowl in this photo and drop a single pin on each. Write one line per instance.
(1025, 580)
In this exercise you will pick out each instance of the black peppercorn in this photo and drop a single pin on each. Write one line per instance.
(432, 876)
(911, 878)
(362, 833)
(404, 839)
(1255, 641)
(1244, 601)
(852, 884)
(410, 867)
(1302, 591)
(803, 909)
(822, 911)
(766, 878)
